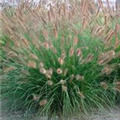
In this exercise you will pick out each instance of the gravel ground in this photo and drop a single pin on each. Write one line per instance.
(113, 114)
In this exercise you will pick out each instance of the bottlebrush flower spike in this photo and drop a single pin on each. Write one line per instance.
(89, 58)
(62, 82)
(117, 85)
(59, 71)
(75, 40)
(79, 77)
(45, 34)
(31, 64)
(43, 102)
(8, 69)
(25, 72)
(116, 89)
(46, 45)
(61, 61)
(106, 57)
(55, 32)
(43, 70)
(64, 88)
(25, 42)
(41, 65)
(63, 55)
(71, 78)
(104, 85)
(78, 52)
(117, 43)
(35, 97)
(71, 52)
(34, 56)
(50, 71)
(109, 37)
(65, 72)
(84, 24)
(14, 39)
(50, 83)
(12, 54)
(107, 70)
(48, 75)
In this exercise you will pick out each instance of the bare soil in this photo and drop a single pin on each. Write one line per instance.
(113, 114)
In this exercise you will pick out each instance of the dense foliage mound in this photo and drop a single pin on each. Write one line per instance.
(61, 61)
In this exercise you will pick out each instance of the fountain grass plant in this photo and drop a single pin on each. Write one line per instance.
(62, 61)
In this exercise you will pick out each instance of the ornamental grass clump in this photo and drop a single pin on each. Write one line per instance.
(60, 62)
